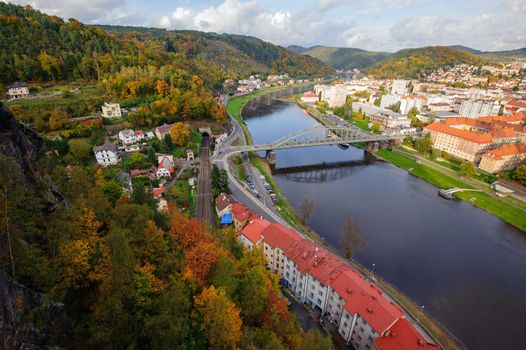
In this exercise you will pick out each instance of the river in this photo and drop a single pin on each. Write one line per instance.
(466, 267)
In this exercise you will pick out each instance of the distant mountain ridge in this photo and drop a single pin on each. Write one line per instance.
(408, 63)
(342, 57)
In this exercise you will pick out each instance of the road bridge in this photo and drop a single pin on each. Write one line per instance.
(321, 136)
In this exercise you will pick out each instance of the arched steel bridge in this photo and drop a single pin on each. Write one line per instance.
(321, 136)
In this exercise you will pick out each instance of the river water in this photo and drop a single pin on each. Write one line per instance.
(466, 267)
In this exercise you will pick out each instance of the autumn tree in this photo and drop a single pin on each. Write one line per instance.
(187, 233)
(200, 260)
(217, 318)
(467, 169)
(180, 133)
(50, 64)
(351, 238)
(306, 208)
(162, 88)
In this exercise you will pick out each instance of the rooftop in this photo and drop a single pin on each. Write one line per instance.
(223, 201)
(403, 336)
(107, 146)
(506, 150)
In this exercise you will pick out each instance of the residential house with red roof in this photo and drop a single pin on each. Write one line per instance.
(224, 204)
(276, 240)
(242, 215)
(402, 336)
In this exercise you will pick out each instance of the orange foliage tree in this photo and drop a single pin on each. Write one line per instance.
(217, 318)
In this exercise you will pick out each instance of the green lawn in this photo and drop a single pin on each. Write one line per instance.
(506, 212)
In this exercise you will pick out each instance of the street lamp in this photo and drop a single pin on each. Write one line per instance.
(373, 267)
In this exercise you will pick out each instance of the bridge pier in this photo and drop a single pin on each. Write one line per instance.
(270, 155)
(371, 147)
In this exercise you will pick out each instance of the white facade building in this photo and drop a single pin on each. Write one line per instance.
(389, 100)
(399, 87)
(409, 102)
(107, 154)
(111, 110)
(127, 136)
(18, 90)
(478, 108)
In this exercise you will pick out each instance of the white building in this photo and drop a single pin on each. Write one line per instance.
(399, 87)
(334, 95)
(111, 110)
(127, 136)
(107, 154)
(18, 90)
(478, 108)
(309, 97)
(409, 102)
(389, 100)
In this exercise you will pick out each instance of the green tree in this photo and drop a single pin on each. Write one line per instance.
(467, 169)
(377, 128)
(80, 150)
(424, 145)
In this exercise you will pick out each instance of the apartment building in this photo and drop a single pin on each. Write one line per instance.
(399, 87)
(334, 95)
(389, 100)
(469, 139)
(478, 108)
(504, 158)
(409, 102)
(107, 154)
(358, 309)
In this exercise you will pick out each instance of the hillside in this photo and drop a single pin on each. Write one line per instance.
(413, 63)
(49, 48)
(509, 55)
(342, 57)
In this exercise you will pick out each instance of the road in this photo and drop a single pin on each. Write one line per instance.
(204, 186)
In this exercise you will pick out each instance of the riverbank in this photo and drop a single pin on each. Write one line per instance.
(441, 334)
(511, 214)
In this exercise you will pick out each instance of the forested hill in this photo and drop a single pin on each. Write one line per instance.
(38, 47)
(342, 57)
(414, 63)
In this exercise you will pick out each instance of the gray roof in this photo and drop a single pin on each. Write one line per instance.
(18, 84)
(107, 146)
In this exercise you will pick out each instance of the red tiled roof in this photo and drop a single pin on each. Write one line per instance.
(139, 132)
(366, 300)
(253, 230)
(310, 94)
(158, 191)
(316, 261)
(515, 103)
(139, 172)
(403, 336)
(506, 150)
(464, 134)
(223, 201)
(279, 236)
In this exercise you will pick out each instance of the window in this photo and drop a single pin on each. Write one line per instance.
(361, 329)
(319, 301)
(287, 274)
(359, 339)
(320, 292)
(345, 324)
(370, 339)
(347, 316)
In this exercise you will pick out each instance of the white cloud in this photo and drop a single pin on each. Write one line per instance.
(181, 13)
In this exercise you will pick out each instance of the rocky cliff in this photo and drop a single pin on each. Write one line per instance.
(28, 320)
(24, 144)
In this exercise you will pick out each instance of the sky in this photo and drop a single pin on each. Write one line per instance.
(378, 25)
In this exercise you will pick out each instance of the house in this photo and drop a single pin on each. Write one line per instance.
(140, 172)
(224, 204)
(107, 154)
(503, 158)
(402, 336)
(192, 181)
(309, 97)
(158, 193)
(189, 155)
(18, 90)
(241, 215)
(166, 160)
(149, 135)
(162, 171)
(111, 110)
(127, 136)
(162, 131)
(139, 135)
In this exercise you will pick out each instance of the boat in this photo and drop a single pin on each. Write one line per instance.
(445, 194)
(343, 146)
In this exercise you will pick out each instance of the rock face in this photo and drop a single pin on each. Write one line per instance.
(28, 320)
(24, 144)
